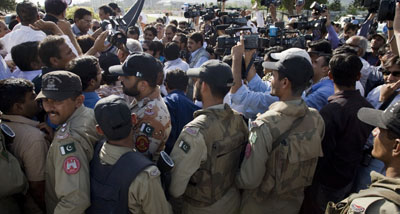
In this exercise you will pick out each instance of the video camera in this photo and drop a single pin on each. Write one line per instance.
(114, 26)
(304, 24)
(387, 10)
(193, 11)
(318, 8)
(371, 5)
(267, 3)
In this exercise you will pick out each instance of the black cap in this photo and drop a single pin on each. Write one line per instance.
(141, 65)
(113, 115)
(297, 68)
(388, 119)
(213, 72)
(106, 60)
(60, 85)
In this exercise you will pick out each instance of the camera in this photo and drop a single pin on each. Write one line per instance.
(318, 8)
(387, 10)
(113, 26)
(269, 2)
(371, 5)
(193, 11)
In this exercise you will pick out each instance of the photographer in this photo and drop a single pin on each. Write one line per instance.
(254, 97)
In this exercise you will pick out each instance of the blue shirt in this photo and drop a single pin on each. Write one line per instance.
(317, 96)
(253, 99)
(91, 99)
(181, 110)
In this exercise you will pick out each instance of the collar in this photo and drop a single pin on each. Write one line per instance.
(176, 91)
(295, 108)
(77, 113)
(195, 52)
(175, 61)
(218, 106)
(20, 119)
(321, 80)
(154, 95)
(76, 30)
(339, 94)
(111, 153)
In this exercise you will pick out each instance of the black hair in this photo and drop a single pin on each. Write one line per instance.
(27, 12)
(322, 45)
(56, 7)
(159, 47)
(297, 87)
(107, 10)
(151, 45)
(183, 37)
(345, 68)
(171, 51)
(133, 30)
(152, 29)
(176, 79)
(345, 49)
(197, 37)
(85, 42)
(106, 60)
(174, 22)
(13, 91)
(173, 28)
(24, 54)
(350, 26)
(81, 12)
(85, 67)
(50, 47)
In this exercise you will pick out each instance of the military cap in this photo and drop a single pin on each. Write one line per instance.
(113, 115)
(60, 85)
(214, 72)
(388, 119)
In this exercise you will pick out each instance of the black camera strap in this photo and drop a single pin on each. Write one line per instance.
(250, 63)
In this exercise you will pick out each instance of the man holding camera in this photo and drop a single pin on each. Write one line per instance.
(284, 143)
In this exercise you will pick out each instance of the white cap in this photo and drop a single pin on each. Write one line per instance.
(291, 51)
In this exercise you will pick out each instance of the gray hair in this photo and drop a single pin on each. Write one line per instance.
(362, 43)
(133, 45)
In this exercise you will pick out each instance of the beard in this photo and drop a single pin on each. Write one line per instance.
(197, 92)
(133, 92)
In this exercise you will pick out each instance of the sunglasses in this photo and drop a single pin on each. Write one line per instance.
(145, 49)
(394, 73)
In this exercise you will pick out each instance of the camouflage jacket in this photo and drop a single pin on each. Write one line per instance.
(276, 176)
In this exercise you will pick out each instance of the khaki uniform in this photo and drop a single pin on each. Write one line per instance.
(371, 203)
(12, 180)
(274, 180)
(30, 148)
(153, 126)
(67, 166)
(145, 192)
(206, 156)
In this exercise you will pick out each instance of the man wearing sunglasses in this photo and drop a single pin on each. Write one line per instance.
(380, 97)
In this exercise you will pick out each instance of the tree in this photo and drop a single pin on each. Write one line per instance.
(289, 4)
(335, 6)
(7, 5)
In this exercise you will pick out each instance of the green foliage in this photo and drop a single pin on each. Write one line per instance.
(7, 5)
(354, 7)
(71, 11)
(335, 6)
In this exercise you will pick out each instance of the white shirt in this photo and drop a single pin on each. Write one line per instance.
(4, 70)
(202, 59)
(20, 35)
(365, 71)
(29, 75)
(172, 65)
(260, 19)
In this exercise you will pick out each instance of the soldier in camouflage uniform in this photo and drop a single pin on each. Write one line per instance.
(138, 76)
(284, 143)
(207, 152)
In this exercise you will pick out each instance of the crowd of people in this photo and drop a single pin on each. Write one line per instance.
(162, 123)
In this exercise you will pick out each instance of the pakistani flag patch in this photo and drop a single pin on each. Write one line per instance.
(68, 148)
(184, 146)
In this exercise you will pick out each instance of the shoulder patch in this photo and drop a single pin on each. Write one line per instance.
(253, 137)
(184, 146)
(147, 129)
(356, 208)
(71, 165)
(192, 130)
(68, 148)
